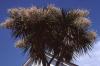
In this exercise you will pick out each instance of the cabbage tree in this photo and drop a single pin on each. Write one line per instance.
(51, 32)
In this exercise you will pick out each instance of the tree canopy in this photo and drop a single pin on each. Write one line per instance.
(60, 33)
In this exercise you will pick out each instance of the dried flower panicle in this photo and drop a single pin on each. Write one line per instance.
(78, 13)
(21, 43)
(82, 22)
(53, 10)
(7, 24)
(91, 35)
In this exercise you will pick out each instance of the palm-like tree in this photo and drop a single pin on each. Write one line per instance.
(55, 32)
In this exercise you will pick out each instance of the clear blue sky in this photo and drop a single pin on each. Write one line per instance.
(9, 55)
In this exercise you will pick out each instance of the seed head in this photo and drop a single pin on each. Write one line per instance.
(78, 13)
(7, 24)
(82, 22)
(20, 43)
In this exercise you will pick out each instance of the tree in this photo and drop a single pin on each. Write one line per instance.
(55, 32)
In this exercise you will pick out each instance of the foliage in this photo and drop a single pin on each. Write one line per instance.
(43, 31)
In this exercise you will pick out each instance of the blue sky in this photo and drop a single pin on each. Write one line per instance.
(11, 56)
